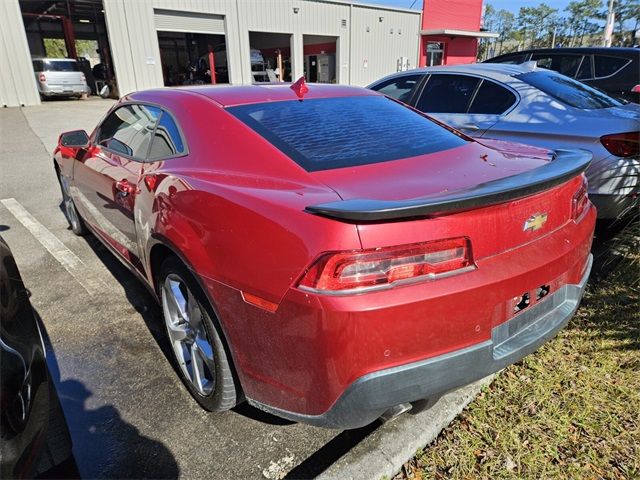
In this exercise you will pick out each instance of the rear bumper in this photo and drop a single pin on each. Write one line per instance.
(611, 206)
(370, 395)
(613, 183)
(62, 90)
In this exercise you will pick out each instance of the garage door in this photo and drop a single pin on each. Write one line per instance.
(175, 21)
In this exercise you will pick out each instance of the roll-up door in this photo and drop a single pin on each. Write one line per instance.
(175, 21)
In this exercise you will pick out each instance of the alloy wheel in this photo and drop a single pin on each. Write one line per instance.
(188, 335)
(69, 207)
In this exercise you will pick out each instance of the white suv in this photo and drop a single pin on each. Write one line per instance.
(59, 77)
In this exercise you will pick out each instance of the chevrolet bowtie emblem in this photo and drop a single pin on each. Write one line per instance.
(535, 222)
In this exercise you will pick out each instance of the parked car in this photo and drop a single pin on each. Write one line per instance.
(333, 254)
(540, 107)
(34, 437)
(59, 77)
(614, 70)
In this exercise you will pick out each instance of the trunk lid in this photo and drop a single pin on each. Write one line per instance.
(603, 121)
(500, 224)
(437, 173)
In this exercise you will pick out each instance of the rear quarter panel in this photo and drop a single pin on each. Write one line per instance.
(546, 123)
(234, 205)
(255, 240)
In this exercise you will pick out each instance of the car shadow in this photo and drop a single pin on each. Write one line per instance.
(606, 257)
(145, 304)
(104, 445)
(610, 293)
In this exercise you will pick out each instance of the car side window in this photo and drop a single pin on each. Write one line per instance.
(584, 72)
(400, 88)
(543, 61)
(446, 93)
(564, 64)
(605, 65)
(167, 141)
(492, 99)
(128, 130)
(510, 59)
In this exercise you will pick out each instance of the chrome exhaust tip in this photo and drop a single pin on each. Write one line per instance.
(395, 412)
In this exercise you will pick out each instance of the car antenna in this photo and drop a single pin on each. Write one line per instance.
(300, 87)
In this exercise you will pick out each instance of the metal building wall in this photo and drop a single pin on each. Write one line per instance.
(378, 44)
(17, 81)
(134, 40)
(366, 48)
(313, 18)
(134, 44)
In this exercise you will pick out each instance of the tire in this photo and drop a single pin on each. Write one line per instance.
(57, 448)
(192, 335)
(70, 211)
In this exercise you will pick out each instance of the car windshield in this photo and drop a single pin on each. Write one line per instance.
(60, 66)
(569, 91)
(326, 133)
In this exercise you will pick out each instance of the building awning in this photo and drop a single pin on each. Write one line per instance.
(459, 33)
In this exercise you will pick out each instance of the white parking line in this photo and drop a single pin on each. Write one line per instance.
(69, 260)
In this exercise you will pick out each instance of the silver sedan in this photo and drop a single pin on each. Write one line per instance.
(526, 104)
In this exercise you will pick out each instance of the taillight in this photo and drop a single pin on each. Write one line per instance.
(636, 89)
(375, 269)
(83, 77)
(42, 77)
(622, 144)
(580, 202)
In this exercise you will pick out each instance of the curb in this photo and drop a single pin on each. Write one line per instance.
(383, 452)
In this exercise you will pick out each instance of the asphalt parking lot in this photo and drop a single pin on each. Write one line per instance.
(128, 413)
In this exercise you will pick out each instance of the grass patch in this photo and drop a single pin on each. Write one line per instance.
(570, 410)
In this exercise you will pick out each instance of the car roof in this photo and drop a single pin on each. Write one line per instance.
(233, 95)
(583, 50)
(497, 71)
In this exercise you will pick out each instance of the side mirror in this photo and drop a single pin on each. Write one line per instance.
(74, 139)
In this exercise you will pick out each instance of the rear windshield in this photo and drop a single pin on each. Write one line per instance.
(569, 91)
(55, 66)
(326, 133)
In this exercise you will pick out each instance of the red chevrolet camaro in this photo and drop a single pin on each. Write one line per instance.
(329, 253)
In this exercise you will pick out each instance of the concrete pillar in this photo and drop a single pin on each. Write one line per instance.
(237, 44)
(297, 56)
(17, 80)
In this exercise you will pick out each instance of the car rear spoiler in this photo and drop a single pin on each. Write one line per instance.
(564, 165)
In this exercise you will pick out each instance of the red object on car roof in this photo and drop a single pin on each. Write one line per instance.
(300, 87)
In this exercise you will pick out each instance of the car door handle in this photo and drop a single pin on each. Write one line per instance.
(124, 187)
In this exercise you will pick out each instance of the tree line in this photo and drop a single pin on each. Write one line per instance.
(580, 24)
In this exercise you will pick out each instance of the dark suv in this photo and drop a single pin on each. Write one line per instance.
(615, 70)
